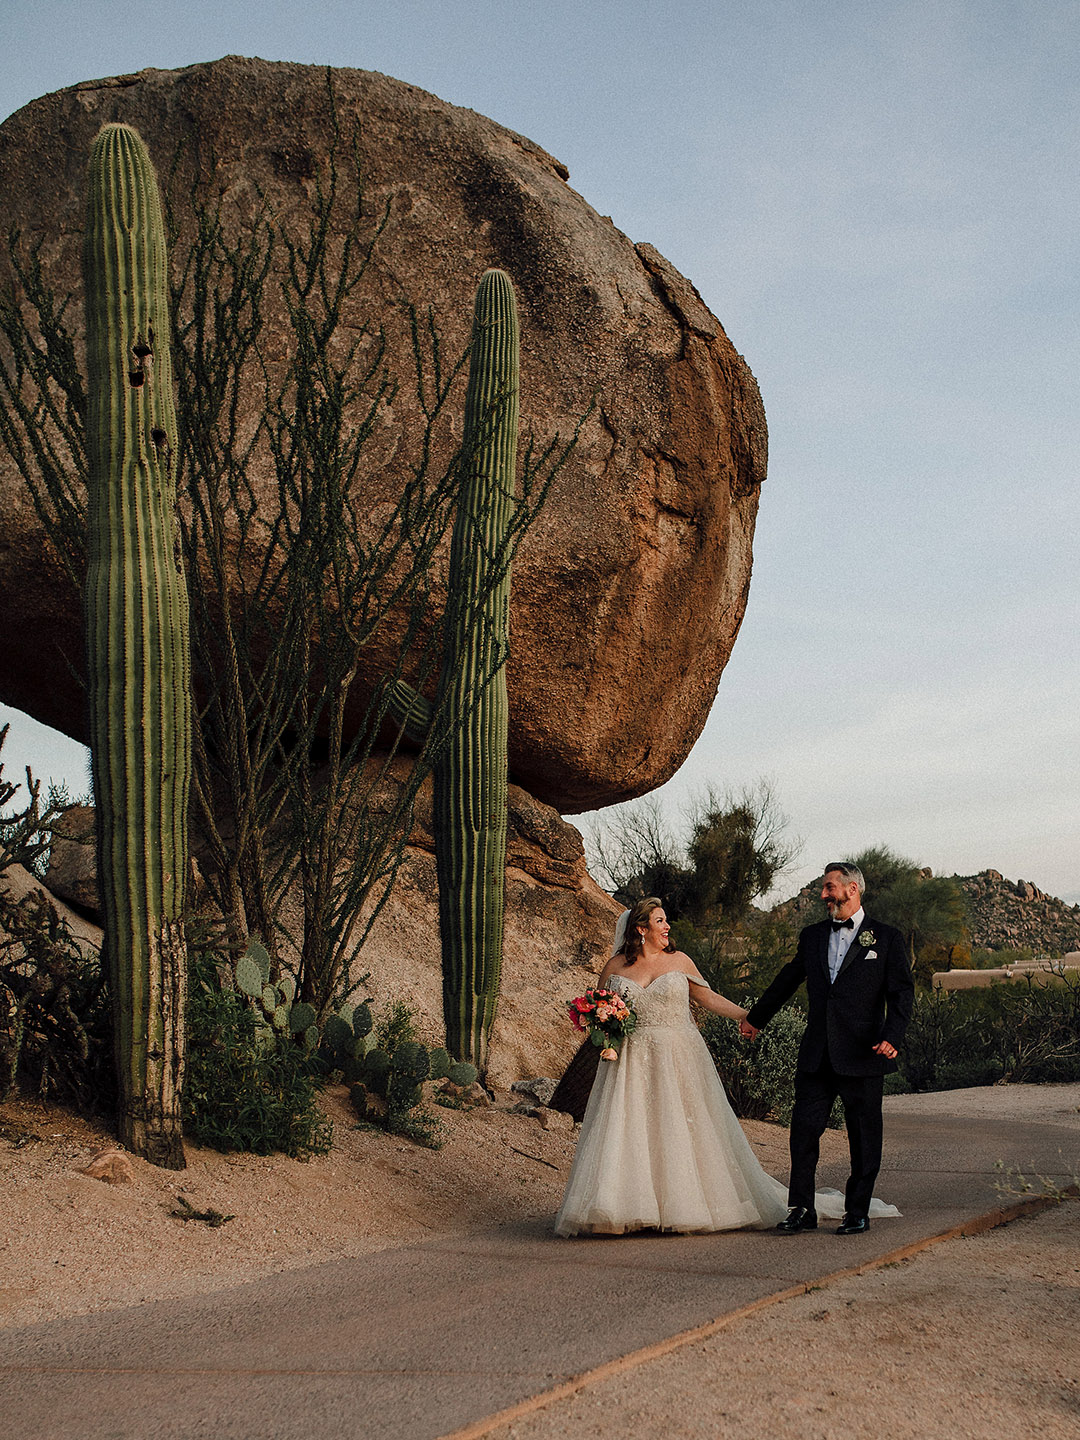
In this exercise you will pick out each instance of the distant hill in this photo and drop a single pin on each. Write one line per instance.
(1002, 914)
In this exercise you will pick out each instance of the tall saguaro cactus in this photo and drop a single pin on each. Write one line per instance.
(470, 774)
(137, 638)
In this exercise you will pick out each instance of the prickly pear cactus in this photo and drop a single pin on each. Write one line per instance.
(276, 1013)
(346, 1041)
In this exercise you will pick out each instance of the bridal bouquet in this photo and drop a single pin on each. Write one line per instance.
(605, 1018)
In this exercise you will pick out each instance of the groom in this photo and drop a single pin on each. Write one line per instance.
(860, 993)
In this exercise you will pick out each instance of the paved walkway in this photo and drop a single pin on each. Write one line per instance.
(417, 1343)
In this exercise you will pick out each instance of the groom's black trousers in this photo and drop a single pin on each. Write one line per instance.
(816, 1092)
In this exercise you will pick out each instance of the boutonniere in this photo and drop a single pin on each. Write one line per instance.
(867, 938)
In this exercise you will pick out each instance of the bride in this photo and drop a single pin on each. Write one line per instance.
(660, 1147)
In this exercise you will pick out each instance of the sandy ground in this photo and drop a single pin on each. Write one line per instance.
(72, 1245)
(973, 1339)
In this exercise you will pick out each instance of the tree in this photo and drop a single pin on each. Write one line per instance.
(737, 851)
(635, 853)
(930, 911)
(733, 853)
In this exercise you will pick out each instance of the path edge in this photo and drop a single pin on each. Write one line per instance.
(991, 1220)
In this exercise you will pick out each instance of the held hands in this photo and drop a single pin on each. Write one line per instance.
(746, 1030)
(886, 1050)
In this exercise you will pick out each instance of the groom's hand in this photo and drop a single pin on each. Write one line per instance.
(747, 1031)
(885, 1049)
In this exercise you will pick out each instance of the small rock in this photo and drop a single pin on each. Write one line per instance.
(72, 872)
(541, 1088)
(556, 1120)
(476, 1095)
(466, 1095)
(112, 1166)
(369, 1106)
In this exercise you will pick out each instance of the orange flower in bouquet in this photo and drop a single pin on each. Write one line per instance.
(605, 1018)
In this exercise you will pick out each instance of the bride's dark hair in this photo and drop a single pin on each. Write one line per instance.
(639, 915)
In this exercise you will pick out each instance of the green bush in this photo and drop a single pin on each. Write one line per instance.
(388, 1092)
(1016, 1030)
(759, 1076)
(55, 1028)
(55, 1025)
(250, 1084)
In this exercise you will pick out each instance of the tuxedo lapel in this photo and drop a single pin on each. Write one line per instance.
(822, 949)
(855, 951)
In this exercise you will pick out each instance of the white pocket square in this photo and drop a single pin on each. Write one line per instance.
(871, 955)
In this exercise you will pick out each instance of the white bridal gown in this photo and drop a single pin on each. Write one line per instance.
(660, 1147)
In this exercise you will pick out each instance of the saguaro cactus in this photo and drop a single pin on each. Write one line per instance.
(470, 774)
(137, 639)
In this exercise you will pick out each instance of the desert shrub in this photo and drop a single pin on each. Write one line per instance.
(983, 959)
(55, 1027)
(759, 1076)
(55, 1035)
(249, 1085)
(941, 1034)
(1018, 1030)
(395, 1026)
(1041, 1029)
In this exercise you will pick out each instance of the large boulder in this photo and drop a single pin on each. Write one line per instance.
(630, 589)
(558, 929)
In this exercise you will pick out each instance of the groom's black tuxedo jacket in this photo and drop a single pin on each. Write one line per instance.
(869, 1001)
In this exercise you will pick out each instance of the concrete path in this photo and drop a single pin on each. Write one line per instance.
(421, 1342)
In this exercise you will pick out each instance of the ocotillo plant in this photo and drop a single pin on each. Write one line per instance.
(137, 639)
(470, 773)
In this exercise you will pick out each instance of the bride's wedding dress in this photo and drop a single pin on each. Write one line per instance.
(660, 1147)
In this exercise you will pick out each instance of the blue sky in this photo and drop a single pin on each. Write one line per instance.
(880, 204)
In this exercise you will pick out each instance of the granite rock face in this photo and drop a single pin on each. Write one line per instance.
(629, 591)
(559, 926)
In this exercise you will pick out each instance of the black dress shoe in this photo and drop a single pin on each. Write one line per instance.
(853, 1225)
(798, 1219)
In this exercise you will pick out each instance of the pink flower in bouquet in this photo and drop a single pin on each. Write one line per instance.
(604, 1017)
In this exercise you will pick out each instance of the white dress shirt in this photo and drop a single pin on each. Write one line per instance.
(840, 942)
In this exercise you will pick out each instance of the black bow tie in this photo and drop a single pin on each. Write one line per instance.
(842, 924)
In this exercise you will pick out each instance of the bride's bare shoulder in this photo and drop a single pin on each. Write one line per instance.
(610, 970)
(681, 961)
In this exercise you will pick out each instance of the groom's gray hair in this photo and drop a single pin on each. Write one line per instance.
(849, 872)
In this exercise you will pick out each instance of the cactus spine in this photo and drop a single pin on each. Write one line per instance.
(137, 639)
(470, 774)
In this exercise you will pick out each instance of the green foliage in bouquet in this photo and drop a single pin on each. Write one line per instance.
(252, 1077)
